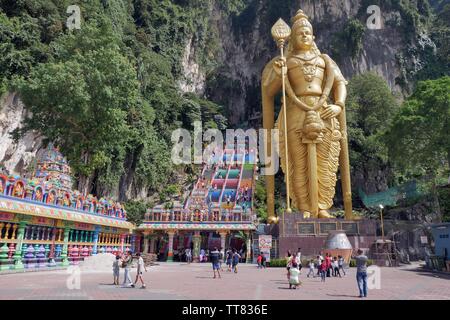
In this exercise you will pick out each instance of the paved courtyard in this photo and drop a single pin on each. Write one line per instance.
(176, 281)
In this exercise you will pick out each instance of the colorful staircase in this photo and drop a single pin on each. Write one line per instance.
(226, 183)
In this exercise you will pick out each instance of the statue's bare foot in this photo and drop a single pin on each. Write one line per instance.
(306, 214)
(323, 214)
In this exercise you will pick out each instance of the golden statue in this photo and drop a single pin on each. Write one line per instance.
(316, 129)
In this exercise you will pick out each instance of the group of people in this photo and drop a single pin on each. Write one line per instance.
(326, 267)
(232, 258)
(125, 261)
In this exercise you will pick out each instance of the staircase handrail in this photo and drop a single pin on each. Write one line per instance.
(240, 180)
(226, 178)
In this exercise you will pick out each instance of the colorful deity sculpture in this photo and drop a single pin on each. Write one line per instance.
(18, 190)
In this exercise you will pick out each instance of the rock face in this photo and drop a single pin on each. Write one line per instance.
(193, 80)
(16, 158)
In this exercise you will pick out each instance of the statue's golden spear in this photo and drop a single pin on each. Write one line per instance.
(280, 33)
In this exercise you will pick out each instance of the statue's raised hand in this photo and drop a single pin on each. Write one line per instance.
(279, 64)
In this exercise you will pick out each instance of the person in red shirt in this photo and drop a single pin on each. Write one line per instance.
(323, 270)
(259, 261)
(328, 264)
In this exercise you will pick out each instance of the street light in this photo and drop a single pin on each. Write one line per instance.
(382, 225)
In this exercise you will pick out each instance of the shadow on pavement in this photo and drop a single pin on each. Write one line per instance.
(342, 295)
(421, 271)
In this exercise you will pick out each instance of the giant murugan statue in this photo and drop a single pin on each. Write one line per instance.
(313, 139)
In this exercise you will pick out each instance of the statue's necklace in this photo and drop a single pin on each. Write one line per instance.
(309, 70)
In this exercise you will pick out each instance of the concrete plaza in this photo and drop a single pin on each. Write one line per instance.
(175, 281)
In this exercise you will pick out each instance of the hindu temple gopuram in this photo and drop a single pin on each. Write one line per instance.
(44, 223)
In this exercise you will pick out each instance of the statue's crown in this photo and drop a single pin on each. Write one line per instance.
(301, 20)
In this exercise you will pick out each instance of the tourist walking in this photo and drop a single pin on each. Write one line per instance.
(229, 259)
(140, 268)
(259, 261)
(221, 257)
(116, 270)
(361, 273)
(329, 267)
(298, 259)
(264, 260)
(323, 270)
(290, 261)
(294, 282)
(319, 263)
(341, 264)
(336, 268)
(235, 260)
(188, 254)
(214, 258)
(311, 269)
(126, 263)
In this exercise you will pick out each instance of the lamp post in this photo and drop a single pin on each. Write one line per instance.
(382, 225)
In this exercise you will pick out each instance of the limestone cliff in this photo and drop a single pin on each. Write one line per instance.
(16, 158)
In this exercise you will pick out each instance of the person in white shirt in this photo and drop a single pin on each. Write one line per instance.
(341, 264)
(298, 259)
(293, 276)
(140, 268)
(319, 263)
(311, 268)
(335, 266)
(188, 255)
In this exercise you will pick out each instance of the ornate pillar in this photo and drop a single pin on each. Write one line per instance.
(223, 237)
(52, 248)
(65, 260)
(196, 252)
(18, 254)
(95, 240)
(133, 242)
(152, 243)
(248, 254)
(180, 240)
(171, 233)
(146, 242)
(122, 242)
(138, 242)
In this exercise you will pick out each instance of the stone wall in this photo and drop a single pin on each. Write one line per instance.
(312, 243)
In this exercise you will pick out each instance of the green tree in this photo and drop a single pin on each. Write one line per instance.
(261, 201)
(135, 211)
(419, 136)
(370, 108)
(81, 98)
